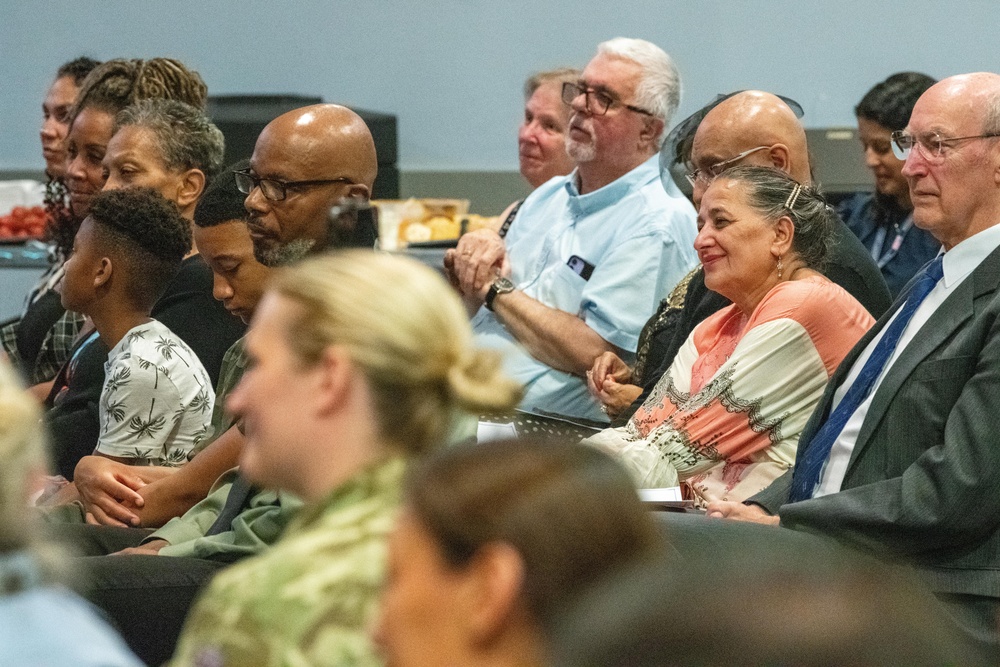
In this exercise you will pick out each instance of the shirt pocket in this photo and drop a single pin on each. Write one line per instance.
(942, 369)
(562, 288)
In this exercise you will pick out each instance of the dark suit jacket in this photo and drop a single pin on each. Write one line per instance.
(923, 482)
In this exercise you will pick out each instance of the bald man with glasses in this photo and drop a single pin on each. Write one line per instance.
(591, 253)
(305, 162)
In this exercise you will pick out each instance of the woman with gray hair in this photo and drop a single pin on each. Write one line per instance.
(41, 623)
(724, 421)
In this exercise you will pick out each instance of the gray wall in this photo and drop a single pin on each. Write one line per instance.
(452, 71)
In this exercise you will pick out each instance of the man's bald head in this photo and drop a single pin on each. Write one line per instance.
(327, 144)
(330, 136)
(749, 120)
(955, 184)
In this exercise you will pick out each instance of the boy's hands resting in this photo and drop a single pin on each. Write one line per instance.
(108, 491)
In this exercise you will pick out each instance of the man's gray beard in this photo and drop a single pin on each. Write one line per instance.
(284, 254)
(581, 152)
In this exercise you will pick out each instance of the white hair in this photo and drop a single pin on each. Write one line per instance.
(659, 89)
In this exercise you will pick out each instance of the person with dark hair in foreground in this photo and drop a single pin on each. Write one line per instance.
(883, 220)
(747, 599)
(529, 524)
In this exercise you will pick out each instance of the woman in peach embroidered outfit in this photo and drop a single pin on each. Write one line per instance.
(725, 419)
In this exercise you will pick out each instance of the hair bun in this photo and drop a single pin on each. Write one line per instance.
(477, 382)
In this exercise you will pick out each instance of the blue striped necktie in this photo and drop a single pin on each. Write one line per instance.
(807, 470)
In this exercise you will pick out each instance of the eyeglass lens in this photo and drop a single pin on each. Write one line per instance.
(595, 101)
(272, 190)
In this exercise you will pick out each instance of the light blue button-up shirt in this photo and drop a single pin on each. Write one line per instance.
(639, 239)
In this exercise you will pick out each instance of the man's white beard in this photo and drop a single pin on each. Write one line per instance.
(582, 151)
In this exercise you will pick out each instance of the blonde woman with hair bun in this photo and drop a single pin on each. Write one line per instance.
(41, 622)
(359, 362)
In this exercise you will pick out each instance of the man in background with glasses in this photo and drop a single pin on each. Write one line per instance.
(591, 253)
(304, 162)
(900, 458)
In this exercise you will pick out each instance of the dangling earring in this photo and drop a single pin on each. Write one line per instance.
(779, 268)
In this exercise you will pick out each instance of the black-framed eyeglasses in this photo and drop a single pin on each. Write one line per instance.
(597, 102)
(932, 144)
(274, 190)
(706, 176)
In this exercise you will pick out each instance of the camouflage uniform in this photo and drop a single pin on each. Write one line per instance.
(308, 599)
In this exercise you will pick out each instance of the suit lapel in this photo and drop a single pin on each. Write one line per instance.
(952, 314)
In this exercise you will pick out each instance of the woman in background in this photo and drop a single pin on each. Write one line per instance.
(41, 623)
(358, 363)
(56, 111)
(541, 143)
(541, 139)
(60, 224)
(883, 220)
(496, 541)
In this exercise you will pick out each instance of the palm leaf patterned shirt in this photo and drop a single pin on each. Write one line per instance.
(157, 400)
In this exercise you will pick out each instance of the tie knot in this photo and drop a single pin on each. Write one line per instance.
(935, 269)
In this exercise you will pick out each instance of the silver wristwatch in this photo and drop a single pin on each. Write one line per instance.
(499, 286)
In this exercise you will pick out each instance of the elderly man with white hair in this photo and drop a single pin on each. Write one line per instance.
(591, 253)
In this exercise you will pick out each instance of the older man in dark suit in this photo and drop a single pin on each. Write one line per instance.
(901, 457)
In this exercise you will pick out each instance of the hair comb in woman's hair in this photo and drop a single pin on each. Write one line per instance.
(793, 197)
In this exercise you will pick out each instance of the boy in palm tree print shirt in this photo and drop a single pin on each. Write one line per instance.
(157, 399)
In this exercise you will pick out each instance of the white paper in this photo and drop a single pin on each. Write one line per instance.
(670, 494)
(490, 431)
